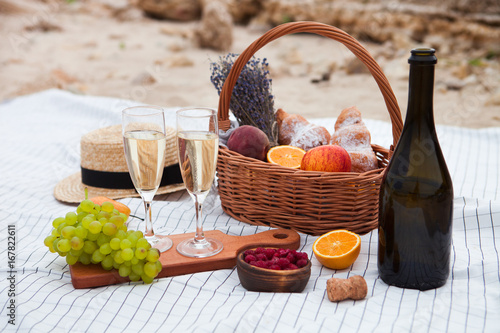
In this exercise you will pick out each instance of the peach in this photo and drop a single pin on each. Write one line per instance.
(329, 158)
(122, 208)
(249, 141)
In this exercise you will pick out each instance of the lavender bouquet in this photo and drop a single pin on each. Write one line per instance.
(252, 102)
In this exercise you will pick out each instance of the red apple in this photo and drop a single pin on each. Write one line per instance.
(329, 158)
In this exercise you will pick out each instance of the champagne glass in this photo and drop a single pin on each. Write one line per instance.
(144, 139)
(198, 145)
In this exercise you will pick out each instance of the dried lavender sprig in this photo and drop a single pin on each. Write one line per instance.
(252, 102)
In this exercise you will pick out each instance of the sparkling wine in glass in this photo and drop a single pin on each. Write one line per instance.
(144, 140)
(198, 145)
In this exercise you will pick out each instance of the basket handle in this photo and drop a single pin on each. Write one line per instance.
(321, 29)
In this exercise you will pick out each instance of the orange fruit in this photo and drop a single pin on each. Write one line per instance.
(118, 205)
(337, 249)
(287, 156)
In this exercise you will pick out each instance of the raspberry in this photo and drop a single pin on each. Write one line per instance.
(302, 255)
(291, 257)
(260, 264)
(250, 257)
(290, 267)
(259, 250)
(269, 253)
(248, 252)
(283, 262)
(283, 253)
(275, 267)
(301, 262)
(261, 256)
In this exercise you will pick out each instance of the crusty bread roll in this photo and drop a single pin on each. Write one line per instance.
(349, 116)
(295, 130)
(352, 135)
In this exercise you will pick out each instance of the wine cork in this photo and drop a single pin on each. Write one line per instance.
(339, 289)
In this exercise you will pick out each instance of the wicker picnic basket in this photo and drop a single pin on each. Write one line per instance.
(262, 193)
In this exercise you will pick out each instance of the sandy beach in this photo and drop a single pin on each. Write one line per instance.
(91, 48)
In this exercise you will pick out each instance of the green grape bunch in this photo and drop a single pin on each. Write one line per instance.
(98, 234)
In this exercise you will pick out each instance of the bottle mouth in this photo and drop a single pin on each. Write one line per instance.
(423, 51)
(423, 55)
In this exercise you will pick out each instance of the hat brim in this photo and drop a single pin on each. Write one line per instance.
(72, 190)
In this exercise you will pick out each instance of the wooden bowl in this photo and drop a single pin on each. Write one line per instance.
(255, 278)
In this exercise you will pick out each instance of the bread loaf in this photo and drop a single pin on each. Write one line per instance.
(352, 134)
(295, 130)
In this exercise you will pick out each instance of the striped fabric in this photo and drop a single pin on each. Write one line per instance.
(40, 137)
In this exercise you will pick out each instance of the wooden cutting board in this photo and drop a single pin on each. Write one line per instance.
(87, 276)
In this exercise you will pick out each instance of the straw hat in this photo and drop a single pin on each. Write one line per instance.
(104, 169)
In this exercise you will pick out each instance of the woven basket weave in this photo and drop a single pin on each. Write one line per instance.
(262, 193)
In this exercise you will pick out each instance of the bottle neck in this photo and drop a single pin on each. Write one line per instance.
(420, 96)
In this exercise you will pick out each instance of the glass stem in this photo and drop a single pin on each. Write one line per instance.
(147, 219)
(199, 236)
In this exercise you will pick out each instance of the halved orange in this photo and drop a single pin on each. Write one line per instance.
(337, 249)
(287, 156)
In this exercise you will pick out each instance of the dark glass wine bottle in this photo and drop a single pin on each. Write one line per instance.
(416, 194)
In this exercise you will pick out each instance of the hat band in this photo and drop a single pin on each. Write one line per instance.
(122, 181)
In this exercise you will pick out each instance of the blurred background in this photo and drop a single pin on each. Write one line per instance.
(160, 51)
